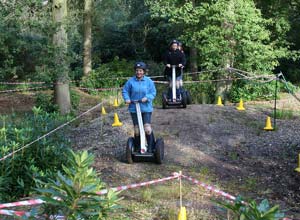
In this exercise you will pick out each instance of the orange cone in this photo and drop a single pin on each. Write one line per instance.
(268, 126)
(116, 123)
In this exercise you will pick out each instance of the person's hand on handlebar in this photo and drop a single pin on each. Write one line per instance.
(144, 99)
(180, 65)
(168, 65)
(127, 102)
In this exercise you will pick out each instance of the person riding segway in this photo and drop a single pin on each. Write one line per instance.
(188, 95)
(174, 61)
(139, 92)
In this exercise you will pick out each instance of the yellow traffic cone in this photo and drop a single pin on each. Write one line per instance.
(182, 214)
(103, 112)
(268, 124)
(298, 168)
(241, 106)
(219, 103)
(116, 103)
(116, 123)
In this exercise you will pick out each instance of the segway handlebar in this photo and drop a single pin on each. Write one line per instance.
(174, 66)
(136, 101)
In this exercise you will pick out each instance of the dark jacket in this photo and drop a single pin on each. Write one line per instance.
(174, 58)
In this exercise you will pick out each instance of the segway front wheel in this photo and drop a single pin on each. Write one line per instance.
(159, 151)
(164, 101)
(188, 97)
(184, 100)
(129, 150)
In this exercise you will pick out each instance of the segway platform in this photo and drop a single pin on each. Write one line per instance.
(175, 99)
(140, 153)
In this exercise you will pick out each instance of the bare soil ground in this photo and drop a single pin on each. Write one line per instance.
(217, 145)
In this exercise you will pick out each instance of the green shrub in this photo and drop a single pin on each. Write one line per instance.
(41, 160)
(77, 188)
(252, 91)
(252, 210)
(75, 98)
(45, 101)
(106, 76)
(201, 92)
(285, 114)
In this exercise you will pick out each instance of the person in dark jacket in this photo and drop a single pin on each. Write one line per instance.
(180, 48)
(174, 57)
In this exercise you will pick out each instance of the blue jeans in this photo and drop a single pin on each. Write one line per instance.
(146, 116)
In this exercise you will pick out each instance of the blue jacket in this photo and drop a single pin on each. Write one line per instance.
(135, 89)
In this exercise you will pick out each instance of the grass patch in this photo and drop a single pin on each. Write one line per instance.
(286, 114)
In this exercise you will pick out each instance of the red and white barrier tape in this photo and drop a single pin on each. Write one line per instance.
(14, 213)
(22, 203)
(102, 192)
(136, 185)
(210, 188)
(22, 83)
(28, 214)
(119, 188)
(25, 89)
(99, 89)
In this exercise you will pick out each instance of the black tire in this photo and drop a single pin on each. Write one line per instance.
(129, 149)
(164, 101)
(159, 151)
(188, 97)
(184, 100)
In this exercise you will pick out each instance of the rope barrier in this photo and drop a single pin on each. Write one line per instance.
(230, 69)
(156, 81)
(47, 134)
(220, 80)
(287, 87)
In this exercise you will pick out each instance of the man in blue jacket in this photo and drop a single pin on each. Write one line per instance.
(140, 88)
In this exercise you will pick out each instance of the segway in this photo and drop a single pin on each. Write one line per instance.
(175, 99)
(137, 153)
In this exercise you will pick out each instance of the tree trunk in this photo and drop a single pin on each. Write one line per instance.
(87, 45)
(222, 87)
(61, 89)
(193, 60)
(193, 56)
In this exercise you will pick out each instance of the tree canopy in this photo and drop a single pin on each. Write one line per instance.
(252, 35)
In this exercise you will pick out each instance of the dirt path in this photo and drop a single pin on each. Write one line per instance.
(218, 145)
(221, 145)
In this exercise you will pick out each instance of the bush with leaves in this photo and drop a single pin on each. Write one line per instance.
(252, 211)
(74, 192)
(41, 160)
(252, 91)
(45, 101)
(101, 77)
